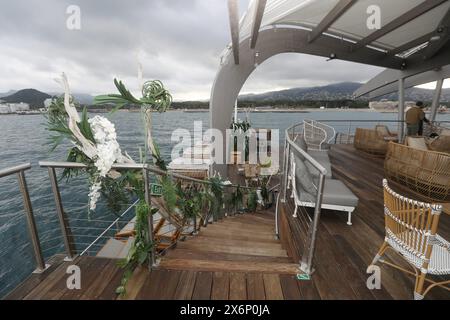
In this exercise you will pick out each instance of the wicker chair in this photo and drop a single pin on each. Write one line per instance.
(424, 171)
(384, 132)
(370, 141)
(411, 232)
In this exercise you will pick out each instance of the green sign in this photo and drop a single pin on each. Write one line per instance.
(303, 277)
(156, 189)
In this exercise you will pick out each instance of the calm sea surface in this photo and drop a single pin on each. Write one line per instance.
(24, 139)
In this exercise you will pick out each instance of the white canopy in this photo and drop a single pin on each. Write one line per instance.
(402, 21)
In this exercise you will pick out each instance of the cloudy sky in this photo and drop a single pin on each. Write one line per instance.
(177, 41)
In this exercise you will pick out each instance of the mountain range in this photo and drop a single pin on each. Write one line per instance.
(333, 92)
(338, 91)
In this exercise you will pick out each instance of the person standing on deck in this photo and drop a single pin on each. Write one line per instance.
(415, 118)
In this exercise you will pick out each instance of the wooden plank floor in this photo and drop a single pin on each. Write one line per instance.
(239, 258)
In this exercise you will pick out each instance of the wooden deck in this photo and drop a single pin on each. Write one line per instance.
(344, 252)
(239, 258)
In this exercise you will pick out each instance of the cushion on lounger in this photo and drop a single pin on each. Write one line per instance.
(304, 177)
(303, 195)
(337, 193)
(315, 173)
(318, 155)
(322, 158)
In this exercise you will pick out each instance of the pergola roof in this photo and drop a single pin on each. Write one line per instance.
(413, 37)
(408, 27)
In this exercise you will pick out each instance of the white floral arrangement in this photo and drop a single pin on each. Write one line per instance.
(106, 150)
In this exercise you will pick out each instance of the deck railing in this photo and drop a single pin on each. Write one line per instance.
(345, 129)
(66, 230)
(31, 223)
(310, 224)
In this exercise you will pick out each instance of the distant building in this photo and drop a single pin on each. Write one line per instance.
(14, 107)
(4, 108)
(385, 105)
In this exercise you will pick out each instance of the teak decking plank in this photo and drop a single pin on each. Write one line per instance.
(255, 287)
(100, 283)
(135, 283)
(238, 286)
(203, 284)
(221, 286)
(272, 287)
(186, 285)
(109, 292)
(289, 287)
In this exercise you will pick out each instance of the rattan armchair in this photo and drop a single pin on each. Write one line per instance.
(385, 133)
(370, 141)
(411, 231)
(424, 171)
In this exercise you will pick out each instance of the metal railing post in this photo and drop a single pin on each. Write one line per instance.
(152, 254)
(195, 226)
(40, 263)
(286, 170)
(307, 261)
(277, 227)
(349, 131)
(65, 228)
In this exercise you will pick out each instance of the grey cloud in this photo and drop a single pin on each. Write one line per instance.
(179, 42)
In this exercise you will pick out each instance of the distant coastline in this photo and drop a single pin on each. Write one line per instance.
(202, 110)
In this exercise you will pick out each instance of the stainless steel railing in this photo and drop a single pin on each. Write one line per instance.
(292, 149)
(67, 230)
(31, 223)
(345, 129)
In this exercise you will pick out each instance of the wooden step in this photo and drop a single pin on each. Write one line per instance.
(229, 266)
(112, 249)
(180, 253)
(239, 225)
(254, 218)
(227, 249)
(251, 222)
(223, 234)
(200, 239)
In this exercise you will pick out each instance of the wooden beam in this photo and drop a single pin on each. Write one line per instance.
(400, 21)
(257, 19)
(439, 38)
(233, 13)
(341, 7)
